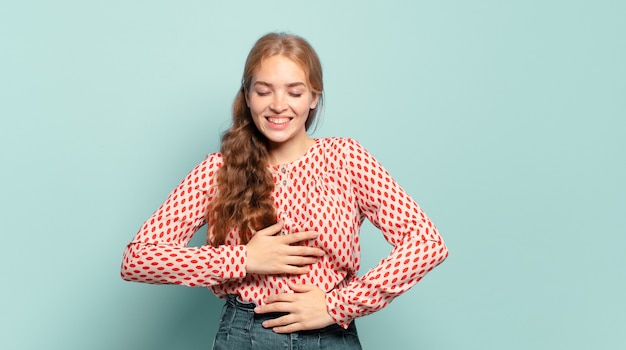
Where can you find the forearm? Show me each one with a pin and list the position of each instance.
(407, 264)
(418, 247)
(189, 266)
(159, 254)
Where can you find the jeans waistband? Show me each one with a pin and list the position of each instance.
(233, 300)
(241, 328)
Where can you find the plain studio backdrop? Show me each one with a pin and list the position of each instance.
(505, 120)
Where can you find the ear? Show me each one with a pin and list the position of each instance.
(316, 99)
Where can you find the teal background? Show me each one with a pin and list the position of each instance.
(505, 120)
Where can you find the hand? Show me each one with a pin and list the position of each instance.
(306, 309)
(269, 253)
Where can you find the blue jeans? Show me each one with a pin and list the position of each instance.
(240, 329)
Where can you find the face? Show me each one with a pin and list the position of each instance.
(279, 99)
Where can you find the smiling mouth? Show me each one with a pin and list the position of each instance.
(278, 121)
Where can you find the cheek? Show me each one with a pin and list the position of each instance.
(255, 106)
(303, 106)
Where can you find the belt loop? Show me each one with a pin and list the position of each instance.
(248, 308)
(250, 320)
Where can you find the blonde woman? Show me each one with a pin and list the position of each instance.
(283, 212)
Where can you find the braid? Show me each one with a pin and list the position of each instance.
(245, 184)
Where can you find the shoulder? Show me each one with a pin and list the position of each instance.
(203, 175)
(340, 144)
(214, 159)
(343, 148)
(342, 152)
(211, 161)
(208, 166)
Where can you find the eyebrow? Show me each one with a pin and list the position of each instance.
(288, 85)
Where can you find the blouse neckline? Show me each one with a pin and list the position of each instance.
(305, 155)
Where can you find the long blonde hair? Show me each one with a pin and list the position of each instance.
(245, 184)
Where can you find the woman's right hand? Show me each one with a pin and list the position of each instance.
(269, 252)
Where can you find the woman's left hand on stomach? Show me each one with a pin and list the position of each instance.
(306, 308)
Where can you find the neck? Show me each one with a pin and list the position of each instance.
(286, 153)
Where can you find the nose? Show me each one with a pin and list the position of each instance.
(278, 103)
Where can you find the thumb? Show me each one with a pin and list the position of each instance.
(299, 288)
(270, 230)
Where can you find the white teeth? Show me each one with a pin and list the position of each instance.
(278, 121)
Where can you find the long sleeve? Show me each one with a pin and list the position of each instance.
(417, 245)
(159, 254)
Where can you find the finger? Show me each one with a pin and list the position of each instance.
(271, 230)
(281, 321)
(275, 299)
(300, 237)
(290, 328)
(295, 270)
(273, 307)
(306, 251)
(299, 288)
(301, 261)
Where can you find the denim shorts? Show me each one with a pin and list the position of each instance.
(240, 329)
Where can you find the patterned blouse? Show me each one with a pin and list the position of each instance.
(331, 189)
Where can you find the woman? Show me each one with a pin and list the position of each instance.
(283, 213)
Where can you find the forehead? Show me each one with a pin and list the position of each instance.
(279, 69)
